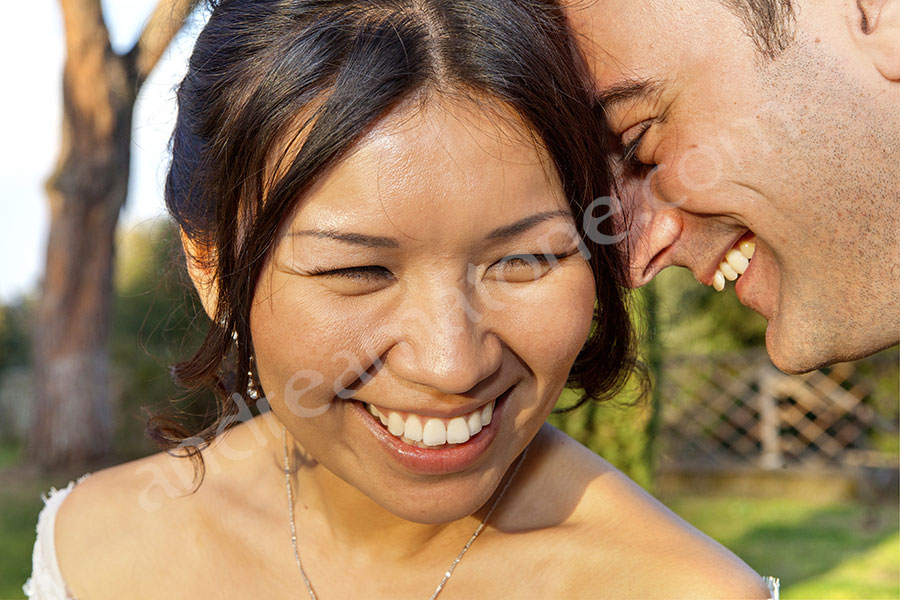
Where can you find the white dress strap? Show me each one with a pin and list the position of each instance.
(46, 581)
(774, 585)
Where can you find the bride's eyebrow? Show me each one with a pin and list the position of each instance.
(523, 225)
(378, 241)
(357, 239)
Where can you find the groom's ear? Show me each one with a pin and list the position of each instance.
(875, 28)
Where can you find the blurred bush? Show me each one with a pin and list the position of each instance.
(15, 375)
(696, 319)
(15, 333)
(157, 321)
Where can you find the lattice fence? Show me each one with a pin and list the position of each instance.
(740, 409)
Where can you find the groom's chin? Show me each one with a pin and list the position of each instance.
(791, 356)
(805, 346)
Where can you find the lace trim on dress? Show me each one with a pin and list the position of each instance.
(46, 581)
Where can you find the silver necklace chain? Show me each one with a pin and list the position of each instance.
(447, 574)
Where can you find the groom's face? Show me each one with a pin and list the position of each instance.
(721, 145)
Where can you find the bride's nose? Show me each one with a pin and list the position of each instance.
(444, 342)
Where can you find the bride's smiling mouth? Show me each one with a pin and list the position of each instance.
(425, 432)
(434, 445)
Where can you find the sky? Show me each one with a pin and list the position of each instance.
(32, 44)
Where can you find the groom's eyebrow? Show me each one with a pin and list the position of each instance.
(626, 91)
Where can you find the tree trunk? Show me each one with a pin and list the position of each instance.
(72, 417)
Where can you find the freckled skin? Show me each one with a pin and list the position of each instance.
(802, 150)
(437, 182)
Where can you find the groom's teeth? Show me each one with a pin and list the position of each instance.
(719, 281)
(729, 273)
(431, 431)
(738, 261)
(735, 264)
(747, 248)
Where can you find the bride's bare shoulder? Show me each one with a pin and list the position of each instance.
(119, 518)
(147, 516)
(624, 541)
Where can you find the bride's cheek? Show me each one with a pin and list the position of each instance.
(550, 323)
(571, 318)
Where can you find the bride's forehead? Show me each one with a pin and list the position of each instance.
(437, 161)
(456, 144)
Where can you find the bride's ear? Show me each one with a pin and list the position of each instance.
(875, 27)
(201, 269)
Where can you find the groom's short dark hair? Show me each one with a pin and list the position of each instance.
(769, 23)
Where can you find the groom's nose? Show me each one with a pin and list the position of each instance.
(652, 230)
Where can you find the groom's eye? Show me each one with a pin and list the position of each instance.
(631, 143)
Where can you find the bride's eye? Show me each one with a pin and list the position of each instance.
(368, 272)
(521, 268)
(355, 280)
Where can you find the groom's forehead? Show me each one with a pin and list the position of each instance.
(661, 40)
(618, 39)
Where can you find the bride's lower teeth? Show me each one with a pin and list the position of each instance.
(735, 264)
(428, 432)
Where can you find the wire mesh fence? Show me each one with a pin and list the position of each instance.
(738, 409)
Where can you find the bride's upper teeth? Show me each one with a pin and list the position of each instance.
(395, 424)
(735, 264)
(433, 431)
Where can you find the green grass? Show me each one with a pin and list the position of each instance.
(843, 551)
(9, 454)
(20, 503)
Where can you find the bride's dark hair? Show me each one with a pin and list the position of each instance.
(313, 76)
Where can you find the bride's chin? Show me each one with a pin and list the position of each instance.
(436, 503)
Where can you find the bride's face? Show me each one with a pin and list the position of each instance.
(433, 275)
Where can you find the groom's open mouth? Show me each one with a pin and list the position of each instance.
(735, 261)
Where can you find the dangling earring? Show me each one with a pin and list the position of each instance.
(252, 389)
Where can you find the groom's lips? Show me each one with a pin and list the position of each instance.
(757, 287)
(706, 277)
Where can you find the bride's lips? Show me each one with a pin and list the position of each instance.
(449, 458)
